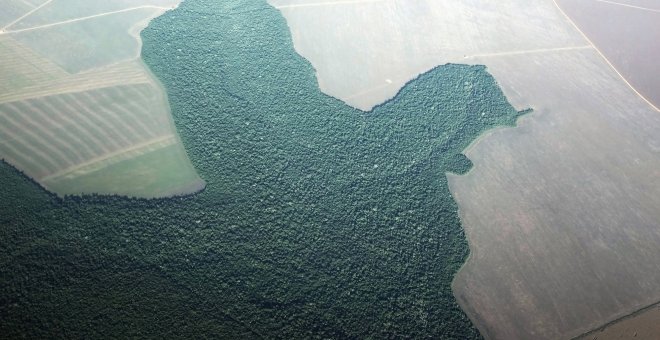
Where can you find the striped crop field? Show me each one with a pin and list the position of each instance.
(104, 127)
(114, 75)
(22, 68)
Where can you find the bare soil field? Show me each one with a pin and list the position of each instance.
(629, 37)
(642, 325)
(560, 212)
(76, 100)
(649, 4)
(364, 51)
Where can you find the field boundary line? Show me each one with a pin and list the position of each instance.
(603, 56)
(630, 6)
(329, 3)
(2, 30)
(618, 320)
(70, 21)
(541, 50)
(389, 82)
(28, 4)
(57, 89)
(168, 139)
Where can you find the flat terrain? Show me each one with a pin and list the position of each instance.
(321, 220)
(628, 36)
(364, 51)
(570, 242)
(75, 100)
(318, 221)
(642, 325)
(560, 212)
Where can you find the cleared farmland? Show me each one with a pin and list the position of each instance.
(76, 101)
(14, 9)
(365, 51)
(63, 10)
(561, 212)
(627, 35)
(91, 42)
(22, 68)
(642, 325)
(320, 221)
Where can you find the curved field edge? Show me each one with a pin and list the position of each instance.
(459, 278)
(79, 124)
(318, 221)
(158, 168)
(518, 204)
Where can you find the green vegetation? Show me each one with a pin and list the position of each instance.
(111, 140)
(163, 171)
(318, 220)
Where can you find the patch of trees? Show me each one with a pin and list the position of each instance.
(318, 220)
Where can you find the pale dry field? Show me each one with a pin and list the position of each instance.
(561, 212)
(629, 35)
(365, 51)
(79, 111)
(648, 4)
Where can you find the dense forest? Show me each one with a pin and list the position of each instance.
(318, 220)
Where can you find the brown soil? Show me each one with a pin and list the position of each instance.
(643, 325)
